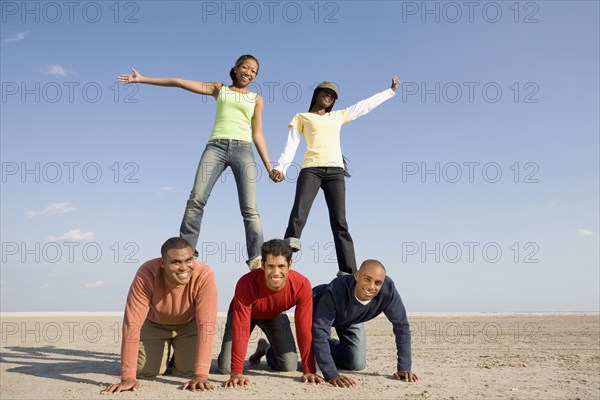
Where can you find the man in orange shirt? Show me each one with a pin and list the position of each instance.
(172, 302)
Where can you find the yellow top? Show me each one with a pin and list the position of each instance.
(322, 135)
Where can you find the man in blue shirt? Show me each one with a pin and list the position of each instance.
(345, 303)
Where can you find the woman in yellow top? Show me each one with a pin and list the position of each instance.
(238, 123)
(323, 166)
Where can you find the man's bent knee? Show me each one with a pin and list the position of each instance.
(288, 362)
(357, 365)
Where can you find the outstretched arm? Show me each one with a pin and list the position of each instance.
(207, 88)
(365, 106)
(257, 134)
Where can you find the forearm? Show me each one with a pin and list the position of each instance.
(206, 88)
(322, 353)
(170, 82)
(261, 147)
(403, 348)
(365, 106)
(129, 352)
(289, 150)
(204, 345)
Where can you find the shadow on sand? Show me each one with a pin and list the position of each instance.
(62, 364)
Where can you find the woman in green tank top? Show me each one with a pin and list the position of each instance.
(238, 123)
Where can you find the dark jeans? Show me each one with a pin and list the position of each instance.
(331, 180)
(281, 356)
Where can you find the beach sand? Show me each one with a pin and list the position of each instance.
(456, 356)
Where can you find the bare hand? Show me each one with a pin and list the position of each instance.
(395, 83)
(134, 77)
(199, 382)
(123, 386)
(276, 176)
(342, 381)
(236, 380)
(406, 376)
(312, 378)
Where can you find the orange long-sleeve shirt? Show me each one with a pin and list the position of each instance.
(150, 298)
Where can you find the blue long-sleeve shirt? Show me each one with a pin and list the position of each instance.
(335, 305)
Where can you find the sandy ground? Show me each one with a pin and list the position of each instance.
(456, 356)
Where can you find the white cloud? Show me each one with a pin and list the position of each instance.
(73, 235)
(94, 284)
(165, 189)
(56, 69)
(17, 38)
(52, 209)
(584, 232)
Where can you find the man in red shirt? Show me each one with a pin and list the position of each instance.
(172, 302)
(261, 298)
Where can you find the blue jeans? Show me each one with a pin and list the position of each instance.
(331, 180)
(218, 155)
(281, 356)
(350, 352)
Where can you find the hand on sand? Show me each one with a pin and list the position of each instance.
(123, 386)
(199, 382)
(342, 381)
(406, 376)
(236, 380)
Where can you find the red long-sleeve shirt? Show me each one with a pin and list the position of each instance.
(254, 300)
(150, 298)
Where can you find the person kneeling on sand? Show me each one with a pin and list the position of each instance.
(261, 298)
(172, 302)
(345, 303)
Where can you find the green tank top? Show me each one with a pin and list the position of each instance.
(233, 118)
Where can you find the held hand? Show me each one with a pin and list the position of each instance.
(312, 378)
(406, 376)
(276, 176)
(342, 381)
(199, 382)
(236, 380)
(395, 83)
(123, 386)
(134, 77)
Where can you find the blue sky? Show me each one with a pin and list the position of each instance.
(477, 185)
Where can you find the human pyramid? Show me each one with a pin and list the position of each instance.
(170, 318)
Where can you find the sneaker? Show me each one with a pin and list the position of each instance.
(294, 243)
(254, 263)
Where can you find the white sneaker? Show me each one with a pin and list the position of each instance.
(254, 263)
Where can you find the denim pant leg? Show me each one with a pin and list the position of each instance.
(350, 352)
(334, 189)
(224, 359)
(246, 172)
(212, 164)
(282, 355)
(307, 187)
